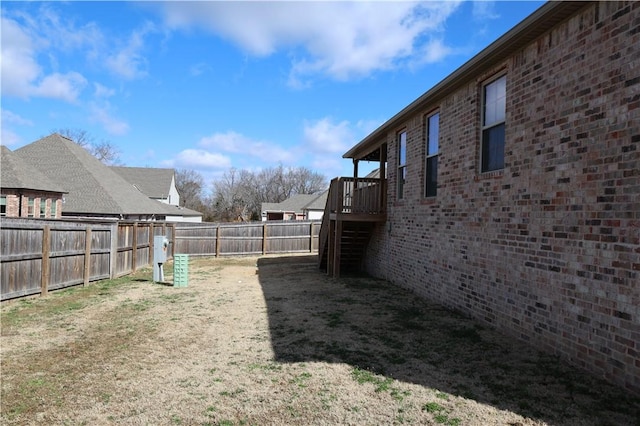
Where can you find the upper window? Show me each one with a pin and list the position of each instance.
(43, 207)
(402, 163)
(493, 124)
(54, 210)
(3, 205)
(432, 134)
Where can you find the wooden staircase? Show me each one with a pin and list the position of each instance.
(353, 245)
(354, 208)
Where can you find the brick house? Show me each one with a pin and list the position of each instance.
(94, 190)
(513, 190)
(25, 192)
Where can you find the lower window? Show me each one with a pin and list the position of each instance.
(493, 148)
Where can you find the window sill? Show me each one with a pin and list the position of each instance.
(429, 200)
(494, 174)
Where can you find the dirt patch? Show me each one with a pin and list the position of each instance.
(272, 340)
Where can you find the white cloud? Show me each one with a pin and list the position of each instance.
(9, 119)
(325, 140)
(66, 87)
(233, 142)
(229, 142)
(8, 137)
(23, 77)
(324, 136)
(102, 91)
(19, 68)
(13, 118)
(432, 52)
(112, 125)
(483, 10)
(200, 159)
(128, 62)
(340, 39)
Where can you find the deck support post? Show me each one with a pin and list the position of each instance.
(337, 239)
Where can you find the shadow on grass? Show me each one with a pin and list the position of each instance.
(375, 326)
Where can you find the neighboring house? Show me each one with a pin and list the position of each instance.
(513, 190)
(297, 207)
(157, 184)
(94, 190)
(180, 214)
(314, 210)
(24, 191)
(160, 185)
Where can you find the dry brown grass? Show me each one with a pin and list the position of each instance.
(274, 341)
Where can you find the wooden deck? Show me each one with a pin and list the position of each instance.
(354, 207)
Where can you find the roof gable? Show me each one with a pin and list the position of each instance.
(318, 203)
(153, 182)
(93, 188)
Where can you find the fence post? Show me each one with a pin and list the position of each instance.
(218, 241)
(173, 239)
(152, 231)
(114, 250)
(46, 261)
(87, 256)
(311, 237)
(134, 243)
(264, 238)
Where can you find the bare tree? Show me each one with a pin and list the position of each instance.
(189, 184)
(229, 197)
(305, 181)
(103, 150)
(240, 194)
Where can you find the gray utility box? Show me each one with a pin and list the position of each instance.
(160, 250)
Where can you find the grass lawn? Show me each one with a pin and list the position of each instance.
(274, 341)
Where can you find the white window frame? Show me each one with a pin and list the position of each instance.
(496, 117)
(428, 153)
(402, 163)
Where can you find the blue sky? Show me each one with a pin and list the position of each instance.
(213, 85)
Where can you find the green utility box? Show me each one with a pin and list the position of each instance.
(180, 270)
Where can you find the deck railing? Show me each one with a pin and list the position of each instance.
(357, 196)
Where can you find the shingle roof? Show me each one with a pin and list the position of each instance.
(319, 202)
(153, 182)
(171, 210)
(297, 203)
(93, 187)
(15, 173)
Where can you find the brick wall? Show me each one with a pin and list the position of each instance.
(13, 203)
(547, 249)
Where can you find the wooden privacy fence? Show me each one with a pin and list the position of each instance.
(41, 255)
(271, 237)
